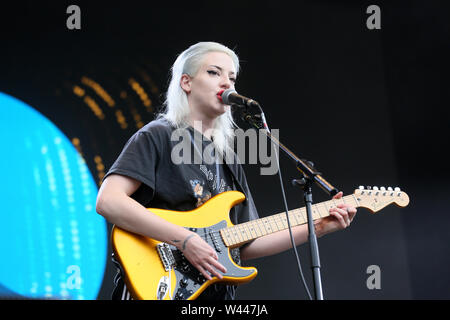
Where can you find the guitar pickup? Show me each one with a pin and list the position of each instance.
(214, 241)
(166, 256)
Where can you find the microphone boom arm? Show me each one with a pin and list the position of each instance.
(301, 165)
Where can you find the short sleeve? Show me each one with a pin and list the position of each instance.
(138, 159)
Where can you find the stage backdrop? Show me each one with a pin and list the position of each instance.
(365, 105)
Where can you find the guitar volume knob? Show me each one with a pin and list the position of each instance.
(179, 296)
(183, 282)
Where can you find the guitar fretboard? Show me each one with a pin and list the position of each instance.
(239, 234)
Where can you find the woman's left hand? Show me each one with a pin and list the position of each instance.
(340, 218)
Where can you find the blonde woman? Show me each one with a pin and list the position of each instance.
(145, 174)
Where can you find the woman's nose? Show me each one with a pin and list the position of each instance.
(225, 83)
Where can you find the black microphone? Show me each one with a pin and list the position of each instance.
(230, 96)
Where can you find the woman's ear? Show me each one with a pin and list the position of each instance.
(185, 83)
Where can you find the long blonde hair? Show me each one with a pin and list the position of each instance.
(176, 104)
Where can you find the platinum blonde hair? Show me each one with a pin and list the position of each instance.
(176, 104)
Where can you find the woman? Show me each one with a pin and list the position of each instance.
(145, 175)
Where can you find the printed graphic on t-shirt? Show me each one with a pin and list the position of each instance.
(199, 191)
(204, 190)
(217, 185)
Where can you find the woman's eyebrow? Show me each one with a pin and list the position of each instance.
(221, 69)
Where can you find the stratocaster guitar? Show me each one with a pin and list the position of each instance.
(158, 271)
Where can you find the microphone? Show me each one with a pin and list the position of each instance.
(230, 96)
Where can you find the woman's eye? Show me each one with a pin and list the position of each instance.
(212, 72)
(233, 80)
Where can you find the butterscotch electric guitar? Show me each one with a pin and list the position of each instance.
(156, 271)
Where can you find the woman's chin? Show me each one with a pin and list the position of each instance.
(220, 110)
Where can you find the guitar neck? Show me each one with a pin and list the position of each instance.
(239, 234)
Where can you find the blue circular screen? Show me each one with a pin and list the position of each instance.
(53, 244)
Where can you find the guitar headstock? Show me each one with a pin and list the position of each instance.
(376, 198)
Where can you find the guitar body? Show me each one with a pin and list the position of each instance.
(158, 271)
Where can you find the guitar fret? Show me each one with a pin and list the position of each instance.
(241, 233)
(267, 226)
(325, 213)
(285, 218)
(236, 234)
(314, 212)
(279, 219)
(252, 230)
(258, 224)
(249, 229)
(343, 200)
(233, 237)
(273, 224)
(325, 206)
(356, 201)
(261, 232)
(302, 215)
(223, 232)
(283, 221)
(294, 214)
(229, 237)
(245, 233)
(334, 203)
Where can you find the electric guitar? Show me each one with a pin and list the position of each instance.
(158, 271)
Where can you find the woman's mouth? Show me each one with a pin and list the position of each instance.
(219, 95)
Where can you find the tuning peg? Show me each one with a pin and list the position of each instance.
(369, 188)
(397, 189)
(361, 187)
(383, 189)
(391, 191)
(375, 188)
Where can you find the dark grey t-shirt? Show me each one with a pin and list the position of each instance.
(168, 184)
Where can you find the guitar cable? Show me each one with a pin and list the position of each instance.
(294, 247)
(245, 115)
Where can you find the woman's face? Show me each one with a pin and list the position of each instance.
(216, 73)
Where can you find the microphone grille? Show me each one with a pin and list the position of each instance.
(226, 95)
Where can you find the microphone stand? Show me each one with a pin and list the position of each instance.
(309, 175)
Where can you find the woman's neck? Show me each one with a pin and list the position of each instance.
(202, 124)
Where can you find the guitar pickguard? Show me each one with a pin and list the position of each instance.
(189, 279)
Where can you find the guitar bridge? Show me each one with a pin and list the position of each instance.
(166, 256)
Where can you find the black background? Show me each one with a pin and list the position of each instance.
(368, 107)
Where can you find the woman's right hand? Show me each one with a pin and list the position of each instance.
(202, 256)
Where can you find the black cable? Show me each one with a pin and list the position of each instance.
(294, 247)
(246, 116)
